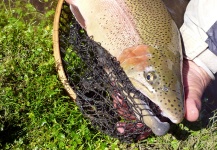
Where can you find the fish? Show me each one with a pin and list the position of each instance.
(146, 41)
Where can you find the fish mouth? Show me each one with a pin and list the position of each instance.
(158, 112)
(161, 115)
(160, 124)
(150, 113)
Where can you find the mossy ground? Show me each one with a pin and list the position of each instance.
(36, 112)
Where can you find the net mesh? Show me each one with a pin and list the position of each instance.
(106, 98)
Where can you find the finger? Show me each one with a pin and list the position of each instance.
(192, 109)
(195, 80)
(193, 102)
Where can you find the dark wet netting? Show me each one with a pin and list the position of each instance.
(85, 63)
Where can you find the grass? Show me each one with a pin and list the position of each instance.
(36, 112)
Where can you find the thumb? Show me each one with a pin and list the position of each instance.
(192, 104)
(195, 81)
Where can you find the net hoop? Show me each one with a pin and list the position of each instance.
(57, 56)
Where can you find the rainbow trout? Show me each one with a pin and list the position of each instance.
(143, 37)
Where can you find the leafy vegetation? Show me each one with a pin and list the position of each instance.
(36, 112)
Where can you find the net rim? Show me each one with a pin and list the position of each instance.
(56, 52)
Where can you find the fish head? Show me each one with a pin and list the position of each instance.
(157, 74)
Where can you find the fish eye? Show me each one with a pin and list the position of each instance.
(150, 76)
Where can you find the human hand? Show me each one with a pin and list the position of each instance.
(195, 80)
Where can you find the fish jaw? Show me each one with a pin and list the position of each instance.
(157, 126)
(158, 76)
